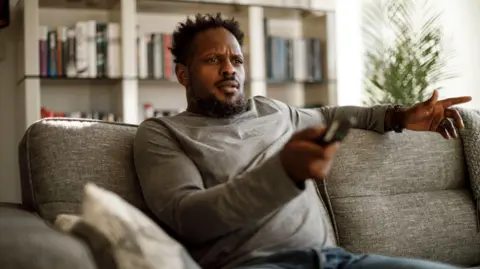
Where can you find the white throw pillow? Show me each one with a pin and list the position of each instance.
(65, 222)
(133, 240)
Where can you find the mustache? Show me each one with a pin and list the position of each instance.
(225, 79)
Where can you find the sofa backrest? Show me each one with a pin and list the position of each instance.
(404, 195)
(58, 156)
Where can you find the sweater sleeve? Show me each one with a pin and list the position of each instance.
(175, 192)
(368, 118)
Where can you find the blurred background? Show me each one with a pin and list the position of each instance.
(108, 59)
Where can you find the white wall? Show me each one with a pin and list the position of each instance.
(349, 52)
(461, 27)
(461, 22)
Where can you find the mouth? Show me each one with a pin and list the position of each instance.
(228, 86)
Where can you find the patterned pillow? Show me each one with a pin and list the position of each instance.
(121, 237)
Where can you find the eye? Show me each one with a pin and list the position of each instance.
(212, 60)
(238, 61)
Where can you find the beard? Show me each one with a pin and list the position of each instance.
(212, 107)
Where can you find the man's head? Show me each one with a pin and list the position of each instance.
(209, 63)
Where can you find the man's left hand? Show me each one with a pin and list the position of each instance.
(435, 116)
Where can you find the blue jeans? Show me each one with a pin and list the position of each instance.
(337, 258)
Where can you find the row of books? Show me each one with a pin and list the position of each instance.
(297, 59)
(155, 61)
(96, 115)
(91, 49)
(87, 49)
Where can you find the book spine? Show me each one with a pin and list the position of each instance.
(113, 52)
(167, 56)
(43, 50)
(300, 64)
(282, 59)
(270, 57)
(142, 57)
(71, 66)
(59, 52)
(275, 59)
(311, 59)
(81, 43)
(92, 49)
(174, 75)
(318, 74)
(157, 55)
(159, 52)
(101, 49)
(52, 53)
(64, 49)
(150, 56)
(290, 60)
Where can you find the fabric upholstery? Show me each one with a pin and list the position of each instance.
(471, 140)
(58, 156)
(404, 195)
(135, 240)
(26, 241)
(395, 194)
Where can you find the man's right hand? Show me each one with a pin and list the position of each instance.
(302, 158)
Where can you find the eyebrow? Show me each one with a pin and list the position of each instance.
(222, 54)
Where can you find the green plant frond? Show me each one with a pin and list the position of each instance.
(404, 69)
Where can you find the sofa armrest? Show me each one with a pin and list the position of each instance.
(27, 241)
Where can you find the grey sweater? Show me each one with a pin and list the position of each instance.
(219, 184)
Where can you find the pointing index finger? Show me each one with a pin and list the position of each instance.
(455, 101)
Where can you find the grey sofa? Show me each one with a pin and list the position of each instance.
(410, 198)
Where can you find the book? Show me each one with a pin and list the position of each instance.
(87, 49)
(293, 59)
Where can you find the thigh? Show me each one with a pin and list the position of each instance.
(379, 261)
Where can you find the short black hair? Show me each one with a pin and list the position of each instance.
(186, 31)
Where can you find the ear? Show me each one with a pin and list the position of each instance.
(181, 72)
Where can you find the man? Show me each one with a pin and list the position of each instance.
(233, 178)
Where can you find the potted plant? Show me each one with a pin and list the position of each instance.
(405, 55)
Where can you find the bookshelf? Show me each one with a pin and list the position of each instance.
(135, 80)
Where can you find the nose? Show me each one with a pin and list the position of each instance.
(227, 69)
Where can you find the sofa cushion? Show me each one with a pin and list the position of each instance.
(120, 236)
(58, 156)
(405, 195)
(27, 241)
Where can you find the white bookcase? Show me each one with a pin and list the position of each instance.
(126, 94)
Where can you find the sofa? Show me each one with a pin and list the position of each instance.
(405, 195)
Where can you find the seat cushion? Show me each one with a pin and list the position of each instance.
(404, 195)
(58, 156)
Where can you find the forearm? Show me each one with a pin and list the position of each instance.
(375, 118)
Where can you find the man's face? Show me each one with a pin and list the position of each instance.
(215, 75)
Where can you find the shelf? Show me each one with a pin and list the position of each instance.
(62, 80)
(298, 5)
(189, 7)
(79, 4)
(161, 80)
(305, 82)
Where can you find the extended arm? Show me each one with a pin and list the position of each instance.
(375, 118)
(174, 189)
